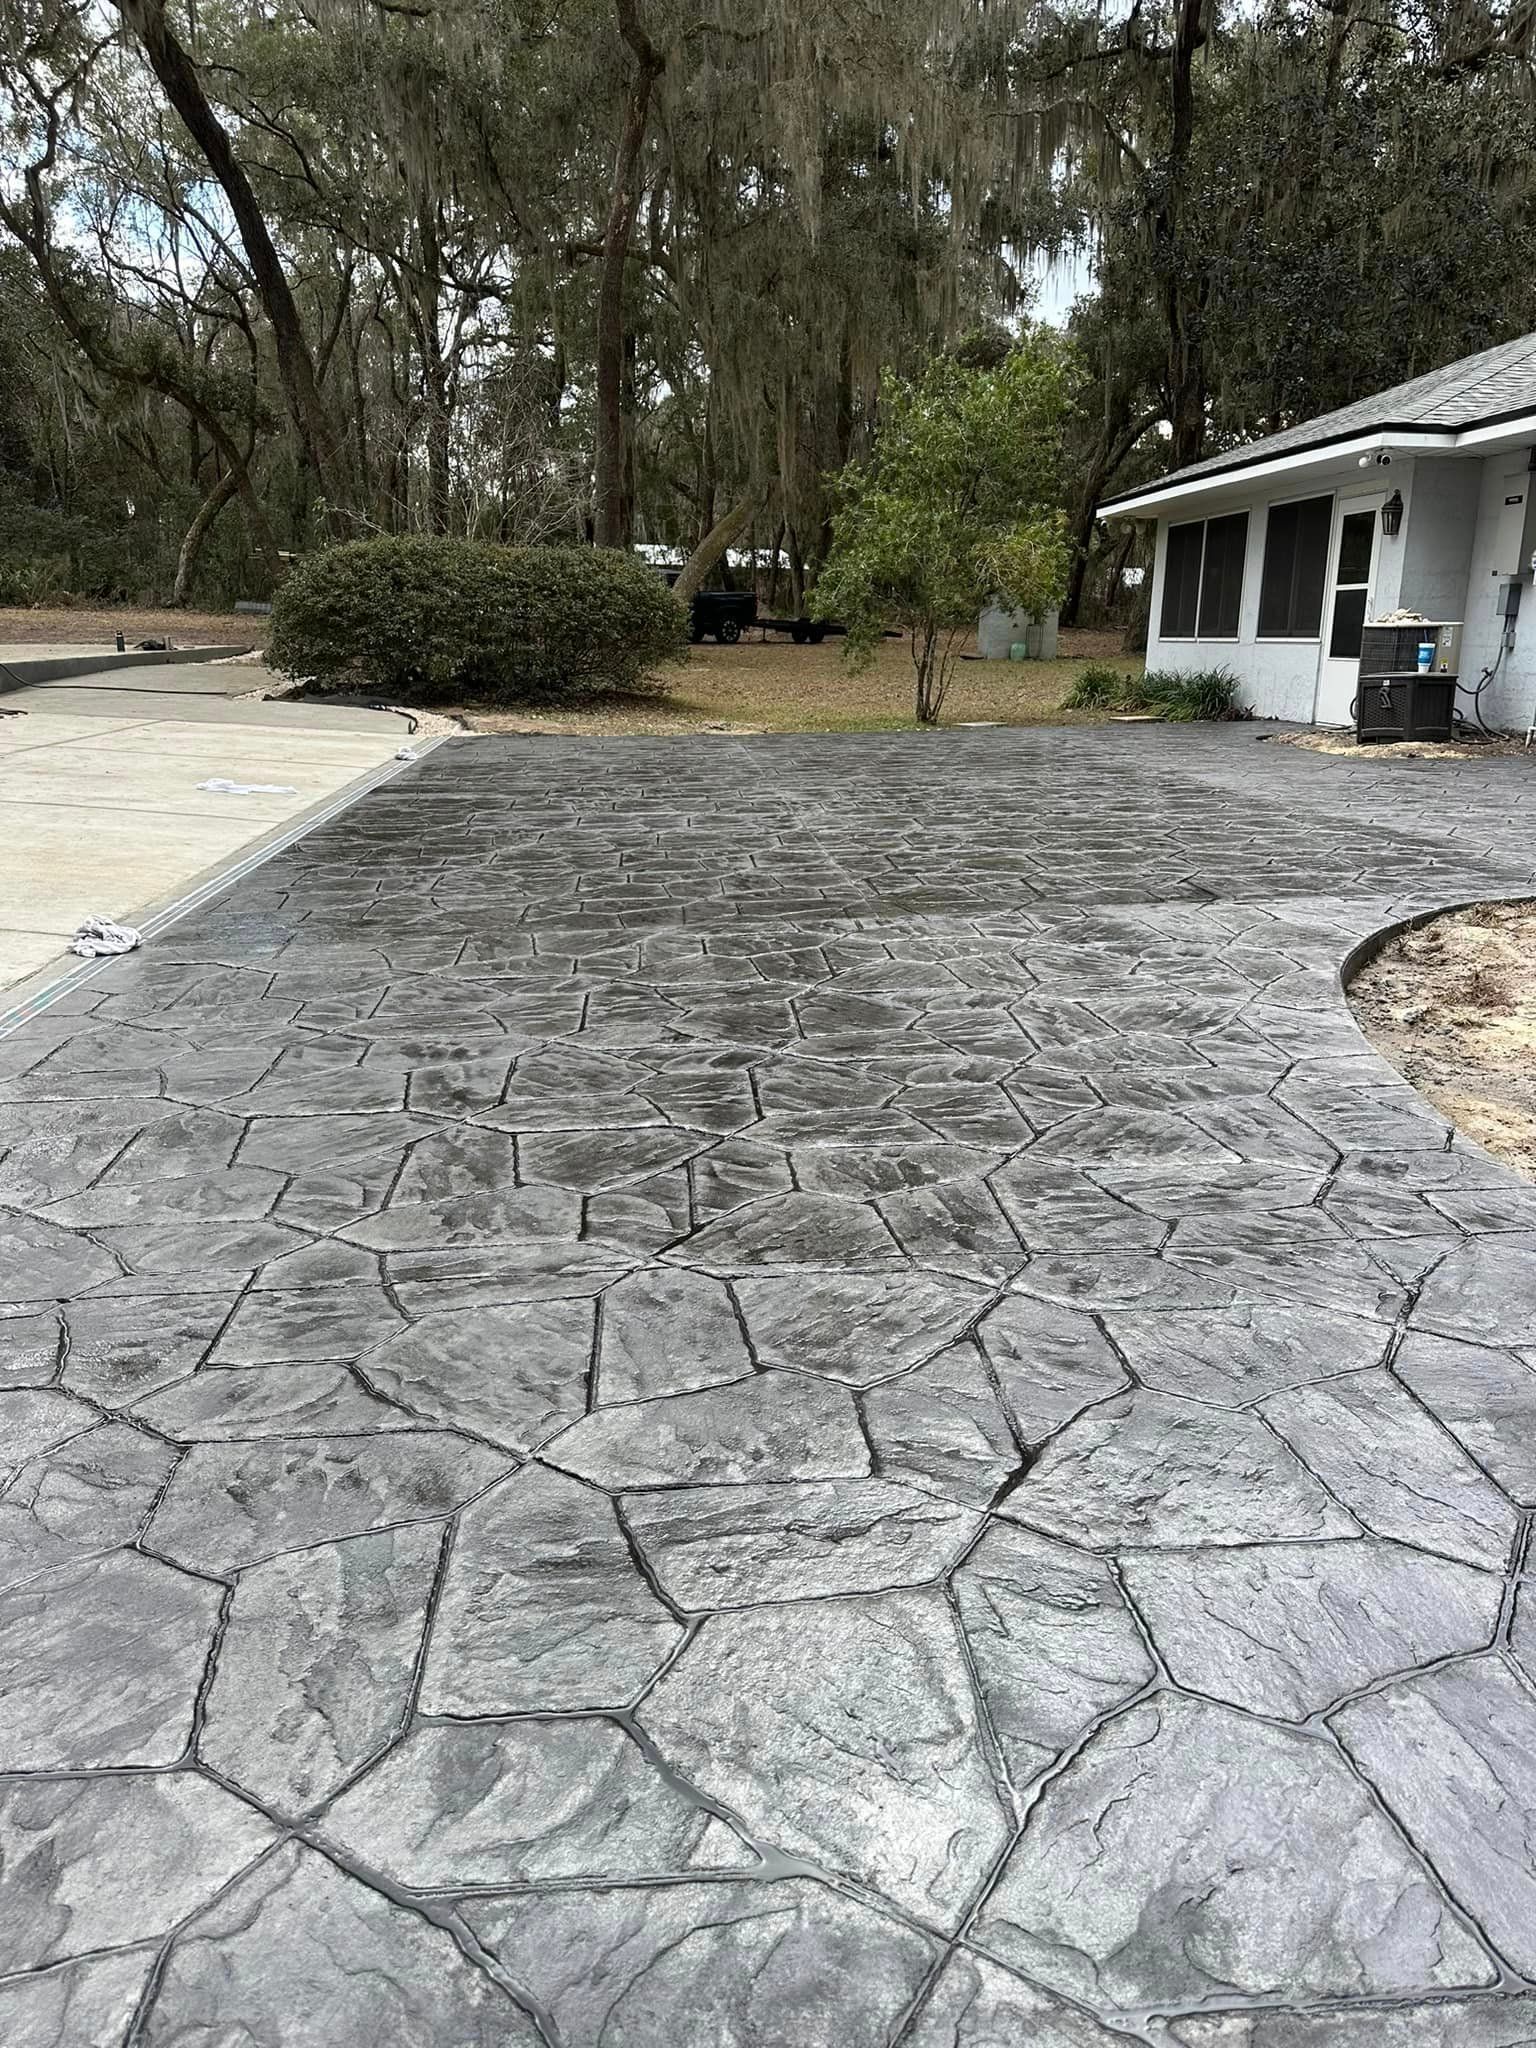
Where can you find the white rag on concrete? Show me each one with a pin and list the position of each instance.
(101, 935)
(222, 787)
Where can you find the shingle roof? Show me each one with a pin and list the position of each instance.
(1495, 384)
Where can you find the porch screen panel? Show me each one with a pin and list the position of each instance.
(1181, 581)
(1295, 570)
(1221, 580)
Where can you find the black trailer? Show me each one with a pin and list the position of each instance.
(724, 613)
(804, 632)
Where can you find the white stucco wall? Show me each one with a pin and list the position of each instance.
(1440, 564)
(1511, 698)
(1426, 569)
(1279, 677)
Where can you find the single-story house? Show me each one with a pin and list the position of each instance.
(1272, 557)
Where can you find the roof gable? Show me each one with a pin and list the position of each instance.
(1495, 384)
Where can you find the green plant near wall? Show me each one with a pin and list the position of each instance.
(958, 508)
(1097, 689)
(1177, 695)
(426, 619)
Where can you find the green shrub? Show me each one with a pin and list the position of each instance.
(1179, 695)
(424, 619)
(34, 582)
(1099, 685)
(1185, 694)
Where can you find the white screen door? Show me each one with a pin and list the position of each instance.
(1352, 578)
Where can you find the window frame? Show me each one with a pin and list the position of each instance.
(1180, 526)
(1224, 639)
(1197, 637)
(1324, 613)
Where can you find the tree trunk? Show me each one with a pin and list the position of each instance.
(925, 647)
(1119, 562)
(706, 482)
(439, 492)
(359, 425)
(712, 547)
(1114, 446)
(1180, 294)
(627, 410)
(796, 575)
(623, 208)
(1082, 535)
(182, 86)
(434, 374)
(773, 571)
(262, 537)
(224, 490)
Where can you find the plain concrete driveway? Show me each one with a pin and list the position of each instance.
(99, 794)
(789, 1394)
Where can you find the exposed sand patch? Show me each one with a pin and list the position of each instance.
(1326, 740)
(1453, 1006)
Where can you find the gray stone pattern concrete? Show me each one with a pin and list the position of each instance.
(792, 1394)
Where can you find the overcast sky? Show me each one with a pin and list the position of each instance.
(1060, 283)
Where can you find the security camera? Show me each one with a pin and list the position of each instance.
(1380, 460)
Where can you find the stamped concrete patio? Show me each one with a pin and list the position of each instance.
(788, 1394)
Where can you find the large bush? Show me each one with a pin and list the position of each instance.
(423, 619)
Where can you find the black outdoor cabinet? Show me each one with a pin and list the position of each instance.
(1405, 706)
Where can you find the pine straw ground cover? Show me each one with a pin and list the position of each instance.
(1453, 1007)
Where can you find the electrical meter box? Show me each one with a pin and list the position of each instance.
(1515, 534)
(1447, 661)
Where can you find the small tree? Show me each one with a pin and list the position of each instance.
(958, 508)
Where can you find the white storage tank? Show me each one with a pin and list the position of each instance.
(998, 632)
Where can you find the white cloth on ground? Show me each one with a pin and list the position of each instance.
(221, 786)
(98, 935)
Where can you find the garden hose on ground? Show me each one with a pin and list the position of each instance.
(412, 721)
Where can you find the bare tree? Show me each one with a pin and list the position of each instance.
(183, 87)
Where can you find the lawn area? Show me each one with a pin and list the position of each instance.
(34, 625)
(757, 686)
(774, 686)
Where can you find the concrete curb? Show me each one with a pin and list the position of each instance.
(1361, 955)
(58, 668)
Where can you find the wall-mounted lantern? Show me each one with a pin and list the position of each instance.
(1392, 514)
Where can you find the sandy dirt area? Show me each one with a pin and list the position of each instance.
(1453, 1006)
(1330, 741)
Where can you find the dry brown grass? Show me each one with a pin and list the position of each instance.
(774, 686)
(757, 686)
(33, 624)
